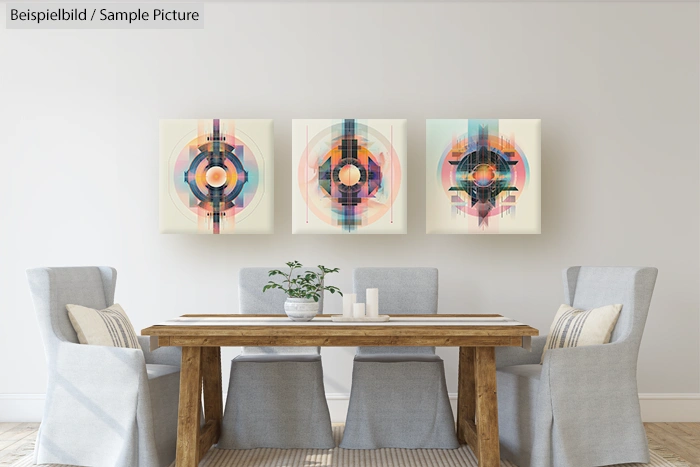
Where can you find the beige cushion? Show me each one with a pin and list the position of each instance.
(110, 327)
(573, 327)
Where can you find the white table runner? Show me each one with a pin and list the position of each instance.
(325, 320)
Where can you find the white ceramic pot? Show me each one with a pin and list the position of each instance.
(300, 309)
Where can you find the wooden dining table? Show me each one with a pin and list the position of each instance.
(202, 336)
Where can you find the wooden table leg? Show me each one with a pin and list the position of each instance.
(466, 398)
(489, 454)
(213, 402)
(190, 408)
(477, 405)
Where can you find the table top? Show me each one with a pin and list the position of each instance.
(240, 329)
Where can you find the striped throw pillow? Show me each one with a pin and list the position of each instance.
(110, 327)
(573, 327)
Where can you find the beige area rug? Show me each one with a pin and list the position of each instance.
(462, 457)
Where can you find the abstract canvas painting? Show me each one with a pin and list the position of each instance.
(483, 176)
(349, 176)
(216, 176)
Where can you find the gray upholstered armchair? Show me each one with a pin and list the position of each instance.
(105, 406)
(581, 406)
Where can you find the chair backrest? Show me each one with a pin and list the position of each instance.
(54, 288)
(590, 287)
(401, 290)
(252, 300)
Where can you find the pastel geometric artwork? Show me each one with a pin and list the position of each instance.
(483, 176)
(216, 176)
(349, 176)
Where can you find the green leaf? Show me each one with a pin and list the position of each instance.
(302, 284)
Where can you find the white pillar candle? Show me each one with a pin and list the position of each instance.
(372, 303)
(348, 301)
(358, 310)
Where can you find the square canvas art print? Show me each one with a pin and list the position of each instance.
(483, 176)
(216, 176)
(349, 176)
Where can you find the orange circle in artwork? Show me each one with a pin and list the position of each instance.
(349, 175)
(216, 176)
(484, 175)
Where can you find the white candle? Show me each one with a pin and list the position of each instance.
(358, 310)
(348, 301)
(372, 303)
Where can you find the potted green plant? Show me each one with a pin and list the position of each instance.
(303, 289)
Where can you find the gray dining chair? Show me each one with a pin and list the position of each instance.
(399, 397)
(581, 405)
(276, 397)
(105, 406)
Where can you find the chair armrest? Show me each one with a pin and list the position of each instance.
(601, 376)
(76, 359)
(162, 355)
(93, 373)
(613, 361)
(509, 356)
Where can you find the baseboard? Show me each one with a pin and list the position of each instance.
(338, 406)
(21, 407)
(672, 407)
(656, 407)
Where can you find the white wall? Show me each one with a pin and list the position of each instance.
(615, 84)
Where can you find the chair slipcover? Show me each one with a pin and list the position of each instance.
(399, 395)
(105, 406)
(276, 397)
(581, 406)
